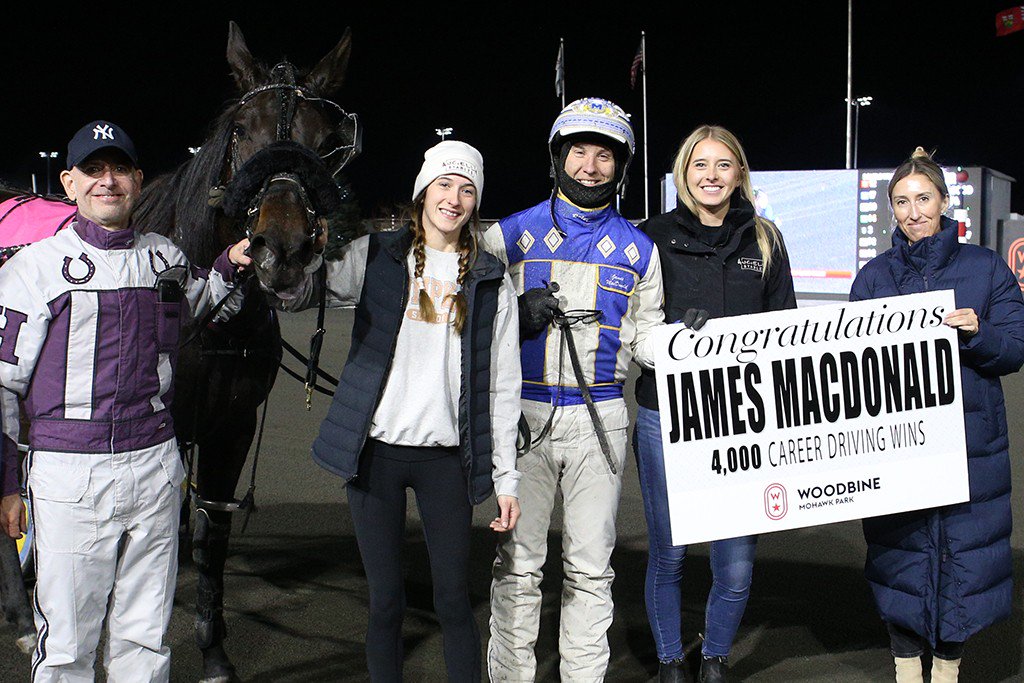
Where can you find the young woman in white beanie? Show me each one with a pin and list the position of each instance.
(428, 400)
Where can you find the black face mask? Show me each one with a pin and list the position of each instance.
(585, 196)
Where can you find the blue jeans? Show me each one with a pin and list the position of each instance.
(732, 560)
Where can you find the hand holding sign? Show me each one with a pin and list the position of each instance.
(808, 416)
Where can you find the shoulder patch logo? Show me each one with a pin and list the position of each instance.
(553, 239)
(525, 241)
(152, 263)
(747, 263)
(632, 253)
(89, 265)
(606, 246)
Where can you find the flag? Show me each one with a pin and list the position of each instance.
(560, 70)
(1010, 20)
(638, 64)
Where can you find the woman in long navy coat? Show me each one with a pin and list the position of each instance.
(943, 574)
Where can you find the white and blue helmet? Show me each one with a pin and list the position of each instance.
(592, 116)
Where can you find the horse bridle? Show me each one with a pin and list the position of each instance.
(288, 95)
(314, 227)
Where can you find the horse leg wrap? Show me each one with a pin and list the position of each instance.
(209, 553)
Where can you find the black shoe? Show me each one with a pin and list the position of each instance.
(712, 670)
(676, 671)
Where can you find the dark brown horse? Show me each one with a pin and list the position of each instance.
(267, 171)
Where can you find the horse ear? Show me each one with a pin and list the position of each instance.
(243, 67)
(327, 76)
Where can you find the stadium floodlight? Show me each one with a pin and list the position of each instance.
(857, 104)
(48, 156)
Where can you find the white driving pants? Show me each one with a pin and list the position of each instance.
(569, 457)
(106, 535)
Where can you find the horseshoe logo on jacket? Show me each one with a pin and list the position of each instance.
(152, 263)
(78, 280)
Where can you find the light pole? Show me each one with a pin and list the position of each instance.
(857, 104)
(48, 156)
(443, 132)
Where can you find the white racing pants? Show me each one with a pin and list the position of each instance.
(569, 457)
(106, 535)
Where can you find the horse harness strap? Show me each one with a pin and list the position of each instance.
(296, 376)
(564, 321)
(315, 229)
(248, 501)
(285, 73)
(208, 318)
(317, 340)
(289, 93)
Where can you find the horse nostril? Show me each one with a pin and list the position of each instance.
(257, 242)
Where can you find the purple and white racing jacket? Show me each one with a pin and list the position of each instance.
(89, 341)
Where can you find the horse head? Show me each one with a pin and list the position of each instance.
(287, 143)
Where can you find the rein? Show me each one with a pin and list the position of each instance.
(564, 320)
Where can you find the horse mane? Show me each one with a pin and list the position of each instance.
(176, 204)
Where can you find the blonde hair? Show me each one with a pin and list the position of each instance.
(467, 255)
(920, 162)
(768, 238)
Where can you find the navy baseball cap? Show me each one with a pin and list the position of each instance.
(98, 135)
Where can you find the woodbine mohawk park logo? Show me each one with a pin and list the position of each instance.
(776, 503)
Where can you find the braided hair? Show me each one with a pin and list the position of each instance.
(467, 255)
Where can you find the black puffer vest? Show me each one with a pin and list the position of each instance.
(378, 318)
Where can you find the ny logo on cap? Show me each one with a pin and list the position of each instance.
(102, 132)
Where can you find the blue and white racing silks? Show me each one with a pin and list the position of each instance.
(603, 262)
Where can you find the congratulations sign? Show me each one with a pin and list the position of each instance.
(802, 417)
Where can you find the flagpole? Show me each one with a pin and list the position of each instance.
(849, 83)
(561, 59)
(643, 65)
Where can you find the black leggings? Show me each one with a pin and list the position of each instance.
(907, 643)
(377, 501)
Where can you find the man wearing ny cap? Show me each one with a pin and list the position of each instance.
(88, 341)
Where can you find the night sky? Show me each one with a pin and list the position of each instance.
(775, 73)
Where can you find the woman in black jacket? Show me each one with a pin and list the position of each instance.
(719, 256)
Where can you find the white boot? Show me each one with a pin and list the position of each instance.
(945, 670)
(908, 670)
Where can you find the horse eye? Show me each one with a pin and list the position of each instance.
(240, 131)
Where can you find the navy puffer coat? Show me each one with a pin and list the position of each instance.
(946, 573)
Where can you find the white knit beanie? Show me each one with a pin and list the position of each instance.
(455, 157)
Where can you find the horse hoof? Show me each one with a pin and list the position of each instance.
(26, 643)
(217, 668)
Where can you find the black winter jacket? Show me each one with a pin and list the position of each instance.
(725, 279)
